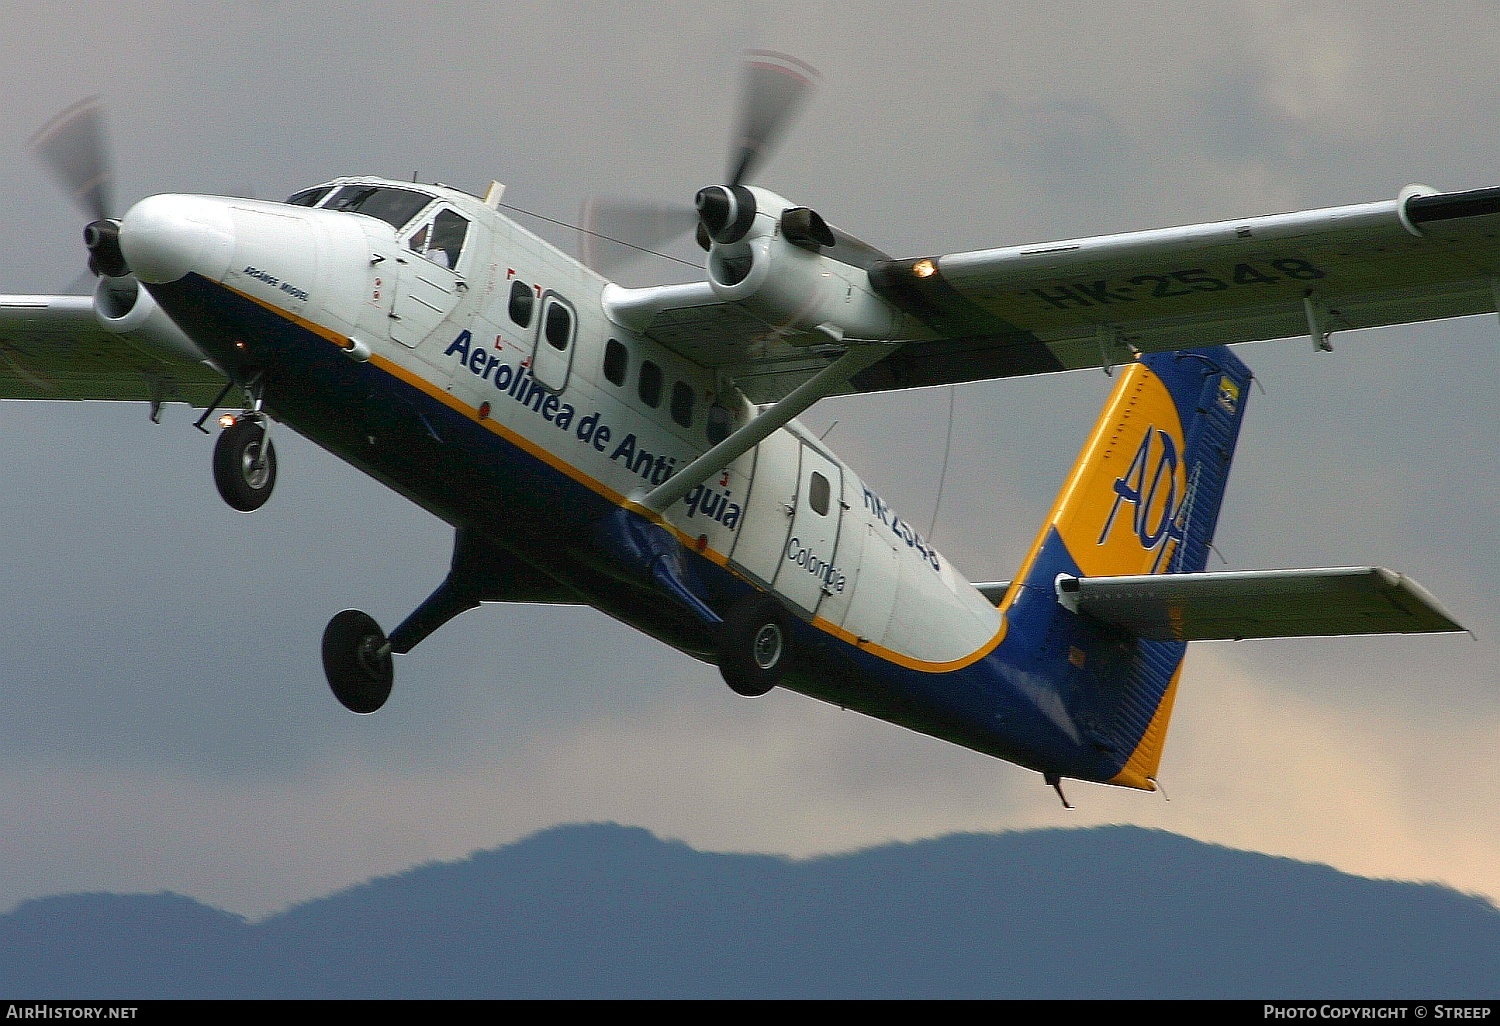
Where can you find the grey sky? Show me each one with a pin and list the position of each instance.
(163, 719)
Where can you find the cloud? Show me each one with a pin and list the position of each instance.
(165, 724)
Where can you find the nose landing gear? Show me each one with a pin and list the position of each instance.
(245, 464)
(244, 458)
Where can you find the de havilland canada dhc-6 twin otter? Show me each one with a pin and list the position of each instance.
(636, 449)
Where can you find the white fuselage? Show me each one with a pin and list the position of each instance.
(516, 336)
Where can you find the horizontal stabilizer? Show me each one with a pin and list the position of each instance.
(1259, 604)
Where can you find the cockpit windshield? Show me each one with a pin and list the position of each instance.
(394, 206)
(309, 197)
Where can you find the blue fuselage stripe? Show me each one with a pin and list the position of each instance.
(470, 476)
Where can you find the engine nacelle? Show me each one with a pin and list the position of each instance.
(123, 307)
(775, 269)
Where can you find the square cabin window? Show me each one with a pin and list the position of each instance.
(649, 385)
(559, 327)
(682, 403)
(818, 494)
(521, 301)
(616, 361)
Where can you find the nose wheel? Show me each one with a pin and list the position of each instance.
(357, 661)
(245, 465)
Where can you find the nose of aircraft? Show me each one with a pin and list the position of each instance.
(163, 238)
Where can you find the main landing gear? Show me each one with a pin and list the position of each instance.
(754, 646)
(357, 661)
(357, 655)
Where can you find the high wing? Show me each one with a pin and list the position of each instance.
(1087, 302)
(1098, 301)
(54, 347)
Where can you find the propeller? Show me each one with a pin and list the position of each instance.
(774, 89)
(74, 148)
(776, 86)
(637, 226)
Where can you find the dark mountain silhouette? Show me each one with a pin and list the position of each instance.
(611, 911)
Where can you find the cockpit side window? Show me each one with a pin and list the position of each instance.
(441, 240)
(395, 207)
(310, 197)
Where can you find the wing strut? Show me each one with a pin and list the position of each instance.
(822, 384)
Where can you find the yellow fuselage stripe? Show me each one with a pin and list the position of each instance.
(344, 343)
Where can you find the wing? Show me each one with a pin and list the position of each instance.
(54, 347)
(1092, 302)
(1099, 301)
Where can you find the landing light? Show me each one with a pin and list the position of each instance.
(227, 421)
(924, 268)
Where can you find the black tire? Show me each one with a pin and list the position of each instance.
(243, 480)
(755, 647)
(361, 679)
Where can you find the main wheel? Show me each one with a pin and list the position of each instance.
(360, 676)
(754, 647)
(244, 478)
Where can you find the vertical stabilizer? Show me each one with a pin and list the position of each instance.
(1143, 498)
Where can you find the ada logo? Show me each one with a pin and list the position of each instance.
(1150, 488)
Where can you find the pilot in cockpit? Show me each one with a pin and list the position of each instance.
(442, 239)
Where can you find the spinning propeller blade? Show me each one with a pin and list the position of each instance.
(775, 88)
(776, 85)
(613, 231)
(73, 147)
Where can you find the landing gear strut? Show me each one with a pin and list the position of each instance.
(754, 647)
(357, 654)
(357, 661)
(244, 458)
(245, 464)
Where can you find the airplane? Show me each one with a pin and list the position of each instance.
(638, 450)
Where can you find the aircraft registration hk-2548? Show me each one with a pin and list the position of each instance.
(636, 449)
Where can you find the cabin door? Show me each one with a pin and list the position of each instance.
(806, 570)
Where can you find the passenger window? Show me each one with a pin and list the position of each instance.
(818, 494)
(682, 403)
(559, 326)
(719, 423)
(521, 301)
(616, 361)
(649, 385)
